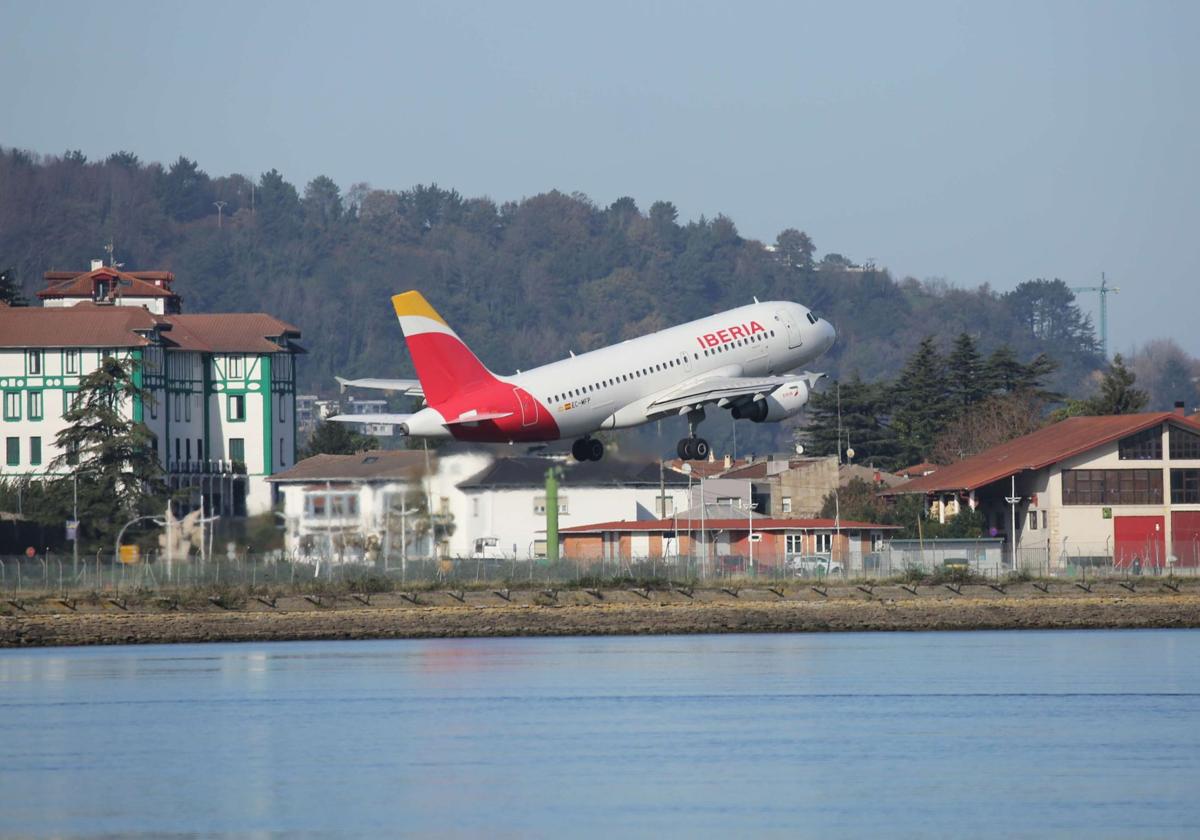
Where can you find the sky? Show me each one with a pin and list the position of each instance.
(969, 142)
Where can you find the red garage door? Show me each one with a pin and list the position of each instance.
(1139, 538)
(1185, 537)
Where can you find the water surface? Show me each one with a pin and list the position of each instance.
(909, 734)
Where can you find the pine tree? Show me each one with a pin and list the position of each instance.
(113, 457)
(921, 402)
(10, 289)
(964, 373)
(863, 408)
(1117, 392)
(337, 439)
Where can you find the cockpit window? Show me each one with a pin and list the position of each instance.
(812, 319)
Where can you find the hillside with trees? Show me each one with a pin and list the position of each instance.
(523, 281)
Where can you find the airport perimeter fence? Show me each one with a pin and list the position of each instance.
(59, 574)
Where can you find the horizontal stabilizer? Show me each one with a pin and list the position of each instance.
(363, 419)
(411, 387)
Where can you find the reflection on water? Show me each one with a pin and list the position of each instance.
(993, 734)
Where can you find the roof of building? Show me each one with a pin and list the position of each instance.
(610, 472)
(373, 465)
(708, 469)
(85, 325)
(228, 332)
(918, 470)
(129, 284)
(738, 524)
(871, 475)
(1036, 450)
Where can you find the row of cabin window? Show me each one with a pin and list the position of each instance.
(638, 374)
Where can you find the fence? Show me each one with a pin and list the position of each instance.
(59, 574)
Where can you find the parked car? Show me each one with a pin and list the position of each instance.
(813, 565)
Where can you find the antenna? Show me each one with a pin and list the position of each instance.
(1105, 290)
(109, 248)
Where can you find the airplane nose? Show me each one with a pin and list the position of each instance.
(829, 334)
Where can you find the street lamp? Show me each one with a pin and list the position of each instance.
(121, 533)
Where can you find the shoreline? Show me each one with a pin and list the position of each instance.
(104, 620)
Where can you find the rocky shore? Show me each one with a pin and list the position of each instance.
(110, 619)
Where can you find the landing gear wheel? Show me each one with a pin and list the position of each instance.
(681, 449)
(699, 448)
(595, 449)
(580, 449)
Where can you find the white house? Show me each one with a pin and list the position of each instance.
(220, 388)
(352, 506)
(1121, 490)
(507, 500)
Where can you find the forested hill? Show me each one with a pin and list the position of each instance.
(523, 282)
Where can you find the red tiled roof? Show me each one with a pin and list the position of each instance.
(75, 326)
(918, 470)
(700, 468)
(1036, 450)
(139, 284)
(230, 332)
(739, 524)
(88, 325)
(758, 470)
(374, 464)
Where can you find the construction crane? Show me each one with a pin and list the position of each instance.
(1105, 290)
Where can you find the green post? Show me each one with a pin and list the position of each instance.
(552, 515)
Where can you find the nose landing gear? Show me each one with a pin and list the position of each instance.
(692, 448)
(587, 449)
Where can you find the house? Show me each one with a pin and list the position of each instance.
(220, 389)
(149, 290)
(355, 507)
(1121, 490)
(730, 540)
(918, 470)
(506, 501)
(792, 486)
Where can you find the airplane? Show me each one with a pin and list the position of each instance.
(736, 360)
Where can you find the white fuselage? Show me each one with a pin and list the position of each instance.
(613, 387)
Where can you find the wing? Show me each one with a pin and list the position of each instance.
(411, 387)
(725, 391)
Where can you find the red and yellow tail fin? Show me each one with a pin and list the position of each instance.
(445, 365)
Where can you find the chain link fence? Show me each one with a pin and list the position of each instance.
(984, 560)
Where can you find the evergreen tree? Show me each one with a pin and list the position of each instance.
(1117, 392)
(10, 289)
(921, 403)
(114, 458)
(964, 373)
(863, 407)
(1003, 372)
(1175, 382)
(337, 439)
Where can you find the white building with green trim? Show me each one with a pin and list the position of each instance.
(221, 391)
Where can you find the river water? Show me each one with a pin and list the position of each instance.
(989, 734)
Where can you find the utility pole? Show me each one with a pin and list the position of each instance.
(551, 516)
(220, 205)
(1105, 290)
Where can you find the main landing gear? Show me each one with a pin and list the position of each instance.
(588, 449)
(693, 448)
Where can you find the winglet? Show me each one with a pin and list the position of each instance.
(413, 303)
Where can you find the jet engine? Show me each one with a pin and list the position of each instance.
(780, 404)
